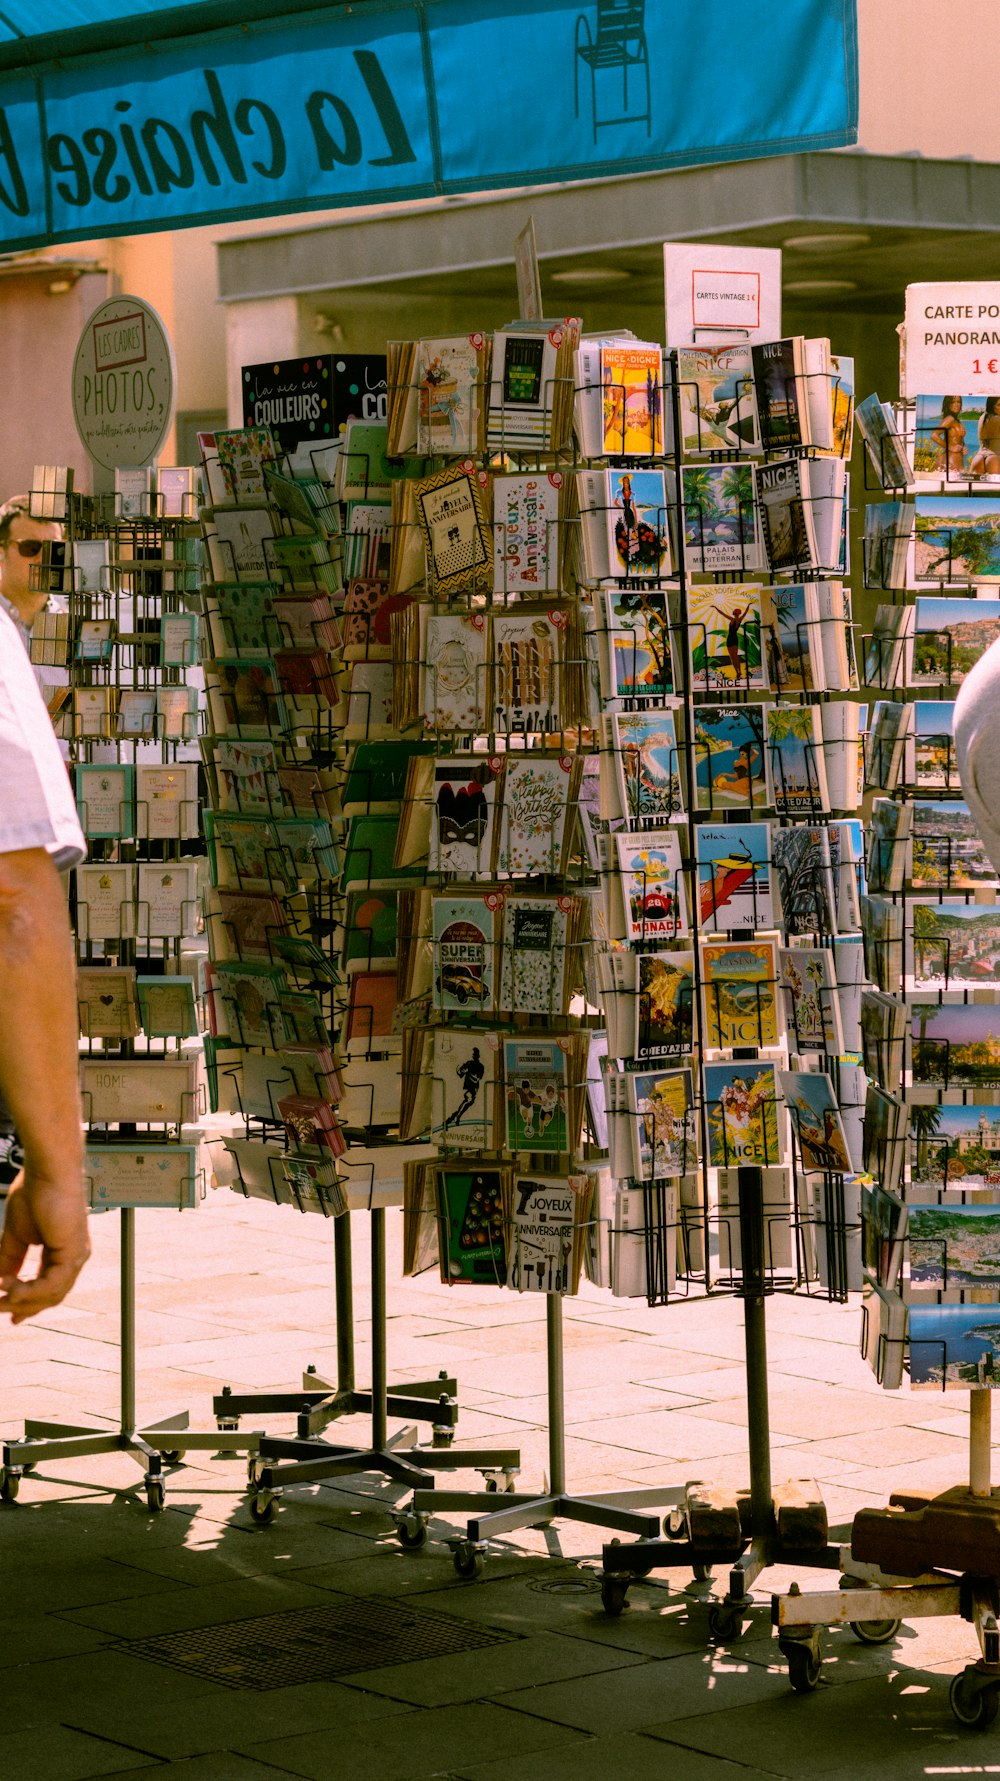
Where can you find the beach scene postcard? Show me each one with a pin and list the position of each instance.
(956, 538)
(957, 1044)
(957, 437)
(729, 760)
(954, 1345)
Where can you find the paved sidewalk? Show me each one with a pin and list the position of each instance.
(550, 1689)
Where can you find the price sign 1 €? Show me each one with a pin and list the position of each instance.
(123, 383)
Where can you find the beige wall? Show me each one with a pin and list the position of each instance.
(926, 69)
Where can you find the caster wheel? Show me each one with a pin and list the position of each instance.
(28, 1466)
(10, 1484)
(156, 1496)
(411, 1534)
(675, 1525)
(875, 1632)
(252, 1470)
(442, 1437)
(510, 1485)
(468, 1562)
(724, 1624)
(973, 1703)
(171, 1456)
(804, 1665)
(702, 1573)
(614, 1595)
(227, 1425)
(492, 1486)
(263, 1510)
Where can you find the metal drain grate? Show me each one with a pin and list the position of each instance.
(313, 1644)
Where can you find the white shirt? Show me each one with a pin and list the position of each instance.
(977, 747)
(37, 807)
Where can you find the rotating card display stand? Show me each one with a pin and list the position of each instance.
(732, 665)
(119, 639)
(278, 765)
(930, 1025)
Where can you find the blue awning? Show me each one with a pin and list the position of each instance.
(176, 114)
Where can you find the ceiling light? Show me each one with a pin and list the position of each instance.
(826, 244)
(818, 287)
(590, 275)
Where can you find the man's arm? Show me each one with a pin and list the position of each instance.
(39, 1065)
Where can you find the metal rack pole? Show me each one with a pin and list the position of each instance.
(127, 1264)
(344, 1284)
(557, 1406)
(380, 1379)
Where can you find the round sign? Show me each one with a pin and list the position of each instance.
(123, 383)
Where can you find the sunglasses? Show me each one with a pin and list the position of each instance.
(28, 547)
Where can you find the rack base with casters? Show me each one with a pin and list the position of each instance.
(303, 1458)
(711, 1528)
(151, 1446)
(914, 1561)
(625, 1510)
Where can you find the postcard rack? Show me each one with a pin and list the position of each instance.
(298, 829)
(767, 899)
(930, 1022)
(114, 650)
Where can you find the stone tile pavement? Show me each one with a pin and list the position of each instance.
(242, 1293)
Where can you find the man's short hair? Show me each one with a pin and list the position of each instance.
(17, 507)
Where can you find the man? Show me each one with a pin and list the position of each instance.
(22, 540)
(40, 836)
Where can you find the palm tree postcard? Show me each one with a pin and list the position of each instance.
(639, 654)
(950, 635)
(724, 625)
(647, 764)
(742, 1107)
(792, 646)
(719, 527)
(796, 759)
(954, 1144)
(956, 1044)
(954, 1345)
(816, 1122)
(729, 759)
(956, 539)
(952, 945)
(809, 992)
(717, 403)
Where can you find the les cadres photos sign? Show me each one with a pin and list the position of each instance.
(123, 383)
(389, 99)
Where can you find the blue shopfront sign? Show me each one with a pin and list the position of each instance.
(393, 99)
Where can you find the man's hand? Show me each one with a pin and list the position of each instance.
(52, 1215)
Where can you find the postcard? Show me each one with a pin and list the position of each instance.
(742, 1105)
(720, 531)
(956, 1044)
(954, 1345)
(739, 988)
(952, 945)
(949, 636)
(734, 876)
(729, 759)
(954, 1144)
(638, 644)
(816, 1121)
(956, 539)
(726, 643)
(638, 534)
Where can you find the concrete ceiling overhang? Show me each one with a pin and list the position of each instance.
(904, 212)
